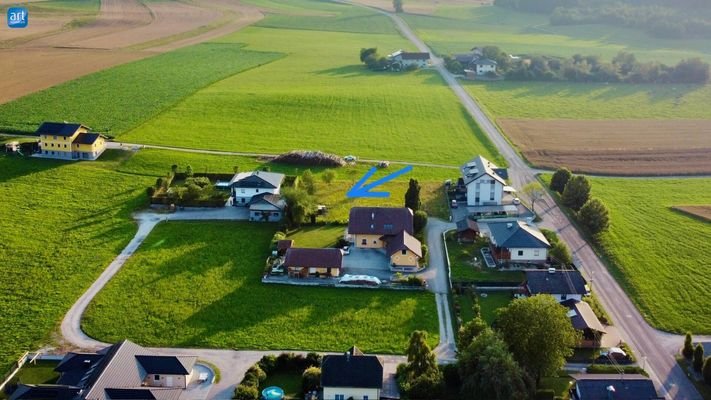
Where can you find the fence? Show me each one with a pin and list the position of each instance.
(18, 364)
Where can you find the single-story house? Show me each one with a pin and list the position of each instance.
(402, 59)
(515, 241)
(613, 387)
(351, 375)
(302, 262)
(389, 228)
(246, 185)
(124, 370)
(467, 230)
(586, 322)
(266, 207)
(561, 284)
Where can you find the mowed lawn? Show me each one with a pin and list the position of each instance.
(198, 284)
(61, 224)
(458, 28)
(321, 97)
(661, 256)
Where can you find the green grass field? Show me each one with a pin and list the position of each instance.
(122, 97)
(659, 256)
(554, 100)
(317, 235)
(205, 279)
(61, 224)
(455, 29)
(492, 302)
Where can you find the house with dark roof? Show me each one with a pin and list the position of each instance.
(586, 322)
(246, 185)
(351, 375)
(303, 262)
(266, 207)
(515, 241)
(124, 370)
(561, 284)
(68, 141)
(402, 59)
(389, 228)
(613, 387)
(284, 245)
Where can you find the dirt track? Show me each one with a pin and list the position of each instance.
(48, 55)
(627, 147)
(703, 212)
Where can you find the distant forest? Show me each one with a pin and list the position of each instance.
(673, 19)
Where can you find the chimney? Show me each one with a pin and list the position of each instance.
(348, 356)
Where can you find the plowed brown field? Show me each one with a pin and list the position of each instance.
(703, 212)
(615, 147)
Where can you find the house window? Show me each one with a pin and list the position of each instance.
(536, 252)
(520, 252)
(256, 190)
(375, 242)
(340, 397)
(241, 190)
(55, 138)
(476, 200)
(45, 152)
(156, 377)
(52, 144)
(365, 397)
(364, 242)
(404, 252)
(564, 297)
(388, 227)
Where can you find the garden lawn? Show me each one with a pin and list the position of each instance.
(492, 302)
(564, 100)
(39, 372)
(321, 97)
(461, 259)
(456, 29)
(198, 285)
(660, 256)
(61, 224)
(119, 98)
(317, 235)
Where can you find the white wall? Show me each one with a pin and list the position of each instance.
(248, 193)
(560, 298)
(529, 254)
(484, 191)
(329, 393)
(482, 69)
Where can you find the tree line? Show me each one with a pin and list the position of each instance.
(660, 18)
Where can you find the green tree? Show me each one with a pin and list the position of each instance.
(688, 350)
(246, 392)
(328, 176)
(560, 179)
(706, 370)
(310, 379)
(397, 5)
(366, 53)
(307, 180)
(420, 357)
(412, 196)
(470, 330)
(576, 192)
(235, 169)
(420, 377)
(419, 221)
(189, 171)
(489, 371)
(698, 362)
(174, 168)
(539, 334)
(299, 205)
(594, 216)
(560, 252)
(535, 192)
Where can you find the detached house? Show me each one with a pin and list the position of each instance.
(124, 370)
(246, 185)
(304, 262)
(586, 322)
(386, 228)
(66, 141)
(484, 182)
(613, 387)
(515, 241)
(352, 375)
(266, 207)
(561, 284)
(402, 59)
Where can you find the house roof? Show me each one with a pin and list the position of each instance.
(74, 366)
(303, 257)
(144, 394)
(467, 225)
(465, 58)
(352, 369)
(284, 244)
(168, 365)
(86, 138)
(582, 316)
(379, 220)
(484, 61)
(267, 199)
(257, 180)
(628, 387)
(478, 167)
(59, 129)
(559, 282)
(515, 235)
(403, 241)
(410, 55)
(44, 392)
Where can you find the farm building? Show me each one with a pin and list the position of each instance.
(67, 141)
(561, 284)
(351, 375)
(402, 59)
(515, 241)
(246, 185)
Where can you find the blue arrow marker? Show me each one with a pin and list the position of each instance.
(358, 190)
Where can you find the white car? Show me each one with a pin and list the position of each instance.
(350, 158)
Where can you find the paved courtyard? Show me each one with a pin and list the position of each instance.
(371, 262)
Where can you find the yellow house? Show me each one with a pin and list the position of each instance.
(66, 141)
(404, 250)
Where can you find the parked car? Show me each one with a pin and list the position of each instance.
(350, 158)
(346, 250)
(613, 355)
(454, 204)
(517, 201)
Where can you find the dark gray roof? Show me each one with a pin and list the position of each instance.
(485, 61)
(403, 241)
(268, 198)
(45, 392)
(560, 282)
(87, 138)
(352, 369)
(516, 235)
(313, 258)
(257, 180)
(415, 56)
(130, 394)
(467, 224)
(582, 316)
(379, 220)
(59, 128)
(478, 167)
(629, 387)
(74, 367)
(169, 365)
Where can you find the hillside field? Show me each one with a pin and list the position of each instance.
(205, 278)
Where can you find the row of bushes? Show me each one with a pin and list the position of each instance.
(307, 366)
(310, 158)
(574, 191)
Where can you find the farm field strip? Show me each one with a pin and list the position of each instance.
(702, 212)
(614, 147)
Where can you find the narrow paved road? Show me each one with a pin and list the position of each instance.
(657, 348)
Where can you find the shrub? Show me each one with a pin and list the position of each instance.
(268, 363)
(310, 158)
(425, 251)
(313, 360)
(244, 392)
(257, 371)
(419, 221)
(151, 191)
(450, 375)
(706, 371)
(250, 379)
(594, 216)
(688, 350)
(311, 379)
(698, 362)
(545, 394)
